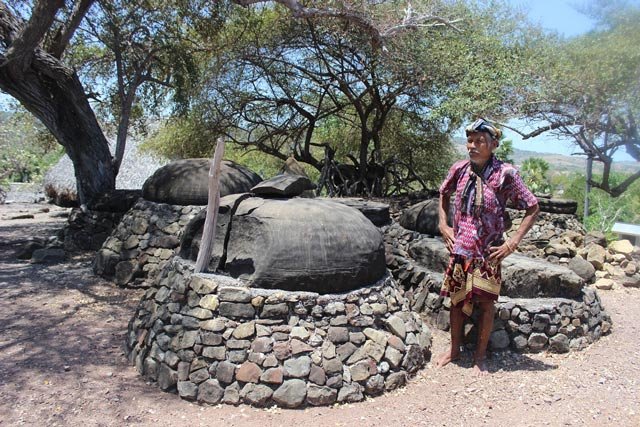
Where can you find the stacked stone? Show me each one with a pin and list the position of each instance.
(531, 325)
(215, 341)
(556, 324)
(87, 230)
(547, 225)
(616, 265)
(522, 324)
(145, 238)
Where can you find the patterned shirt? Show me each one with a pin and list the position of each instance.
(501, 182)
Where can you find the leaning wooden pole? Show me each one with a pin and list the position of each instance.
(213, 203)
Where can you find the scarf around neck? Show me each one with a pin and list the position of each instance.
(473, 193)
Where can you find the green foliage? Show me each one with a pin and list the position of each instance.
(27, 149)
(291, 87)
(534, 173)
(586, 88)
(605, 210)
(187, 137)
(505, 151)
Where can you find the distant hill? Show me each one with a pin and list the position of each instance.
(558, 163)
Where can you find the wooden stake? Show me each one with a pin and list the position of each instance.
(213, 203)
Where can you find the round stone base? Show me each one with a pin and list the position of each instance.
(213, 340)
(522, 324)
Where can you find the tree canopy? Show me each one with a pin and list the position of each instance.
(320, 91)
(588, 89)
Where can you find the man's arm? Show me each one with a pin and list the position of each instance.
(445, 230)
(498, 253)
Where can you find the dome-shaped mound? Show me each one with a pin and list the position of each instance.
(185, 182)
(293, 244)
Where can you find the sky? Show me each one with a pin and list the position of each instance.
(563, 17)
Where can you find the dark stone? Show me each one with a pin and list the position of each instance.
(187, 390)
(47, 256)
(520, 342)
(116, 201)
(540, 322)
(256, 394)
(350, 393)
(430, 253)
(345, 249)
(374, 385)
(321, 396)
(26, 251)
(225, 372)
(395, 380)
(559, 343)
(210, 392)
(186, 182)
(168, 242)
(332, 366)
(524, 277)
(233, 309)
(413, 359)
(126, 271)
(284, 185)
(167, 377)
(105, 263)
(499, 340)
(275, 310)
(345, 350)
(338, 335)
(582, 268)
(199, 376)
(423, 217)
(377, 213)
(210, 338)
(317, 375)
(334, 381)
(262, 345)
(232, 394)
(291, 393)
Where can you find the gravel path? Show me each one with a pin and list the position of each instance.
(61, 363)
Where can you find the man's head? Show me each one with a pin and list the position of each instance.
(482, 139)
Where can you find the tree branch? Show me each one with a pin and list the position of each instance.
(618, 189)
(33, 32)
(378, 36)
(65, 32)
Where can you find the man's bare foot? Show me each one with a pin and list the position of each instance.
(480, 367)
(446, 358)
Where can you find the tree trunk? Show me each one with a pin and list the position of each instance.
(54, 94)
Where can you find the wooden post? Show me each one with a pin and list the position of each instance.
(213, 203)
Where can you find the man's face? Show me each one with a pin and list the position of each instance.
(480, 145)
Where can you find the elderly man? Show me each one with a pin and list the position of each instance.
(482, 184)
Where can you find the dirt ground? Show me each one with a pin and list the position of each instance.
(61, 363)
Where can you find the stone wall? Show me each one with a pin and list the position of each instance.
(547, 226)
(144, 239)
(522, 324)
(212, 340)
(87, 230)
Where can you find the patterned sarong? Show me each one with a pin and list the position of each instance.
(467, 277)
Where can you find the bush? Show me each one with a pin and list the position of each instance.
(27, 149)
(605, 210)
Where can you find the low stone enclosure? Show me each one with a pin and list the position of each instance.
(542, 305)
(215, 340)
(301, 311)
